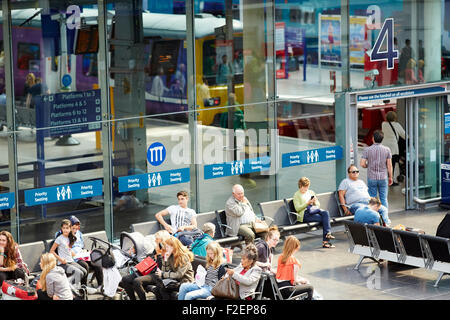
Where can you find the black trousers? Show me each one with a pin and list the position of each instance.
(98, 271)
(11, 275)
(132, 284)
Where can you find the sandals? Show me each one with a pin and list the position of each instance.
(328, 245)
(329, 236)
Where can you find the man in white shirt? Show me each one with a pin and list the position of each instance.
(182, 218)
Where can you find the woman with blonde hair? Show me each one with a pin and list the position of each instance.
(289, 281)
(308, 210)
(53, 280)
(176, 269)
(214, 271)
(11, 264)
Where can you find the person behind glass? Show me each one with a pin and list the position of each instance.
(308, 208)
(64, 243)
(240, 215)
(12, 266)
(215, 270)
(78, 247)
(182, 218)
(369, 214)
(54, 284)
(199, 245)
(224, 71)
(378, 161)
(134, 284)
(393, 131)
(176, 265)
(30, 80)
(247, 274)
(288, 271)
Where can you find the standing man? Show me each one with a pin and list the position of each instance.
(378, 161)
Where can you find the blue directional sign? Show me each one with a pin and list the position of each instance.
(156, 154)
(80, 109)
(154, 179)
(7, 200)
(311, 156)
(62, 193)
(237, 167)
(447, 123)
(405, 93)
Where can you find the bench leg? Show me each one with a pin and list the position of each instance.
(441, 274)
(361, 258)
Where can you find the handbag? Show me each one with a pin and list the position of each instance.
(146, 266)
(226, 288)
(260, 227)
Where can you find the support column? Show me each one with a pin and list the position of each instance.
(432, 40)
(345, 44)
(11, 119)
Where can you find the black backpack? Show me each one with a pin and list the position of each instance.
(102, 257)
(443, 230)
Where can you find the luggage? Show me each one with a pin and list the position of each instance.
(13, 290)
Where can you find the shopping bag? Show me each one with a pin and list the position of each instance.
(260, 227)
(200, 276)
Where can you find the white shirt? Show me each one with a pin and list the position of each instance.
(180, 216)
(390, 140)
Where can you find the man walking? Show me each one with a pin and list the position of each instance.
(378, 161)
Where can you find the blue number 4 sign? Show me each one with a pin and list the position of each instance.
(386, 31)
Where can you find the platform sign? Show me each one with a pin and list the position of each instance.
(7, 200)
(79, 109)
(311, 156)
(405, 93)
(445, 183)
(237, 167)
(62, 193)
(154, 179)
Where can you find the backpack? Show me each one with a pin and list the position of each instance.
(101, 257)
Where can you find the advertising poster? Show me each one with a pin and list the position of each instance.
(280, 50)
(330, 38)
(359, 41)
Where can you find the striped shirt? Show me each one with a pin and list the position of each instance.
(212, 276)
(376, 156)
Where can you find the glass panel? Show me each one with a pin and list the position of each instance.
(4, 169)
(398, 42)
(239, 156)
(429, 148)
(58, 117)
(147, 177)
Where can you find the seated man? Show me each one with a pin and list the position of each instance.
(369, 214)
(182, 218)
(240, 215)
(353, 194)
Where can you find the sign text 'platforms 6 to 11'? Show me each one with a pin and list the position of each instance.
(311, 156)
(80, 190)
(154, 179)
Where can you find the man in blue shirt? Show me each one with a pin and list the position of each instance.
(369, 214)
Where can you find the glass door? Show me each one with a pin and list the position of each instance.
(423, 149)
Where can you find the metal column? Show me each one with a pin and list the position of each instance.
(11, 119)
(195, 146)
(103, 77)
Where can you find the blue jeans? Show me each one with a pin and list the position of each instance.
(191, 291)
(381, 187)
(323, 216)
(383, 210)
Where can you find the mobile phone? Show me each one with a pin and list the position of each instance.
(160, 245)
(312, 197)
